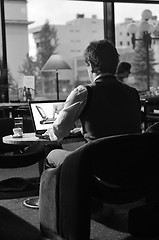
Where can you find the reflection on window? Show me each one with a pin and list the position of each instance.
(143, 57)
(16, 26)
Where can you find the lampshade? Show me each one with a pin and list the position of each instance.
(144, 26)
(132, 28)
(55, 62)
(146, 14)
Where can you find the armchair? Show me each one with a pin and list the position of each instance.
(114, 170)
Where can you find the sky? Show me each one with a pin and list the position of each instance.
(61, 11)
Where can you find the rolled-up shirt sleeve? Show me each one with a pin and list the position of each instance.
(67, 117)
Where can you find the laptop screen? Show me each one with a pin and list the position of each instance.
(44, 113)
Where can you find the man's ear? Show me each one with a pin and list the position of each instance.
(91, 67)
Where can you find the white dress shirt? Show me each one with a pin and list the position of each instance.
(67, 117)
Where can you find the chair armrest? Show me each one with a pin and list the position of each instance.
(48, 201)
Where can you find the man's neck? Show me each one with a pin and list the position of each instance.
(103, 74)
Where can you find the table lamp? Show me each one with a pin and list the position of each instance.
(54, 63)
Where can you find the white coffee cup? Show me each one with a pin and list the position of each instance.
(17, 132)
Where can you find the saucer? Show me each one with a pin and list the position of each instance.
(17, 136)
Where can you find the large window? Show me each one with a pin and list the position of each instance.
(143, 56)
(36, 29)
(75, 24)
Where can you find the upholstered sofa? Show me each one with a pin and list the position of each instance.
(117, 170)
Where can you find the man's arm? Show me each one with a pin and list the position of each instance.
(67, 117)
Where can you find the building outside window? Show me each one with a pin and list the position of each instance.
(73, 37)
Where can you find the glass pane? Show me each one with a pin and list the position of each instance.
(72, 25)
(142, 51)
(17, 44)
(48, 27)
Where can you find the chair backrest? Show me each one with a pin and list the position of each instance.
(121, 159)
(154, 128)
(125, 159)
(124, 162)
(6, 126)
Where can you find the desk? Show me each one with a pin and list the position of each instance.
(29, 138)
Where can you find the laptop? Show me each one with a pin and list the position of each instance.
(44, 113)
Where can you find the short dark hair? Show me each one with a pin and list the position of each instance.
(123, 67)
(102, 55)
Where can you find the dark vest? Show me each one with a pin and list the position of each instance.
(112, 108)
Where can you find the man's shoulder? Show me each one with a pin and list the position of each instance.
(131, 88)
(77, 93)
(80, 88)
(133, 92)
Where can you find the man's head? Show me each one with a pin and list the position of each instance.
(102, 57)
(123, 70)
